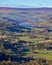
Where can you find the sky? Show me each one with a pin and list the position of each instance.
(26, 3)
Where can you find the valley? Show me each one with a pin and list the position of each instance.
(26, 36)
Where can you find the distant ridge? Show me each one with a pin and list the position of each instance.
(10, 8)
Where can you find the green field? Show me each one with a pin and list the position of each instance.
(40, 54)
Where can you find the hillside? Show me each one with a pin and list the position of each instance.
(25, 36)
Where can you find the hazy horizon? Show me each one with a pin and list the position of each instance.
(26, 4)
